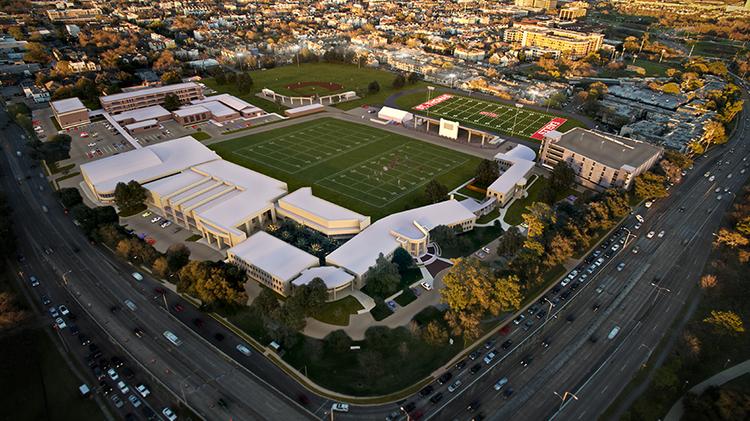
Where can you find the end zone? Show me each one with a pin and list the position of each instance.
(552, 125)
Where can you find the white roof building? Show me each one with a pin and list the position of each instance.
(515, 166)
(141, 114)
(336, 279)
(68, 105)
(237, 104)
(408, 229)
(321, 215)
(271, 261)
(394, 114)
(144, 165)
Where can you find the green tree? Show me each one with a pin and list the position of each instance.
(172, 102)
(317, 295)
(244, 83)
(129, 197)
(337, 341)
(726, 322)
(383, 278)
(650, 186)
(487, 172)
(36, 53)
(402, 259)
(266, 302)
(434, 334)
(562, 177)
(399, 81)
(412, 78)
(70, 197)
(177, 255)
(510, 242)
(373, 87)
(436, 191)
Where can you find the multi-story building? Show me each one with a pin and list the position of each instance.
(572, 13)
(468, 54)
(599, 160)
(70, 112)
(71, 15)
(141, 98)
(571, 43)
(537, 4)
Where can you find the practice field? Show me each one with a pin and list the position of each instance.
(494, 116)
(368, 170)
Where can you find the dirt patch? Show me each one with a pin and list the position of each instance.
(327, 86)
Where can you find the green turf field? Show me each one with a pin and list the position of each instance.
(494, 116)
(365, 169)
(350, 77)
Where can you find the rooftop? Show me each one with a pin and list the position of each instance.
(148, 91)
(67, 105)
(303, 199)
(274, 256)
(147, 113)
(611, 150)
(332, 276)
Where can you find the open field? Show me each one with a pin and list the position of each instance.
(494, 116)
(349, 77)
(365, 169)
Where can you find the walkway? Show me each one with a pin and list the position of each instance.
(675, 413)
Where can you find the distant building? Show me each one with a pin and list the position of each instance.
(38, 95)
(572, 13)
(572, 43)
(141, 98)
(70, 112)
(599, 160)
(468, 54)
(74, 15)
(537, 4)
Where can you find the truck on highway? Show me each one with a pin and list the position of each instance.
(44, 208)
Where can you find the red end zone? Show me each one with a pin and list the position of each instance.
(434, 101)
(552, 125)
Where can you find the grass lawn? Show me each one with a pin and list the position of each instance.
(518, 208)
(489, 115)
(410, 276)
(489, 217)
(65, 177)
(338, 312)
(476, 238)
(365, 169)
(39, 385)
(405, 298)
(392, 360)
(654, 68)
(471, 193)
(201, 136)
(54, 168)
(349, 77)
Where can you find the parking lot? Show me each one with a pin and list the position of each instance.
(163, 237)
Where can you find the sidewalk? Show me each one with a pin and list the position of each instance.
(675, 413)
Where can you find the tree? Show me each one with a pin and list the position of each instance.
(399, 81)
(725, 322)
(447, 237)
(160, 267)
(471, 290)
(383, 278)
(434, 334)
(681, 160)
(170, 78)
(436, 191)
(487, 172)
(402, 259)
(70, 197)
(412, 78)
(717, 403)
(317, 295)
(337, 341)
(560, 248)
(171, 102)
(538, 217)
(129, 197)
(36, 53)
(11, 314)
(177, 255)
(714, 133)
(708, 281)
(731, 239)
(244, 83)
(373, 87)
(650, 186)
(510, 242)
(266, 302)
(562, 177)
(165, 62)
(214, 283)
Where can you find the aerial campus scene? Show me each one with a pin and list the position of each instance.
(375, 210)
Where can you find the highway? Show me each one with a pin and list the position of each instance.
(72, 270)
(597, 371)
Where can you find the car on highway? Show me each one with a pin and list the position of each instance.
(595, 307)
(637, 225)
(639, 218)
(636, 249)
(729, 175)
(117, 401)
(490, 356)
(426, 285)
(454, 386)
(112, 374)
(707, 174)
(661, 234)
(500, 383)
(712, 178)
(171, 337)
(612, 333)
(473, 406)
(519, 319)
(545, 343)
(169, 414)
(426, 391)
(134, 401)
(527, 360)
(143, 390)
(621, 266)
(437, 397)
(138, 332)
(475, 368)
(507, 344)
(650, 234)
(244, 350)
(178, 307)
(718, 197)
(445, 377)
(60, 323)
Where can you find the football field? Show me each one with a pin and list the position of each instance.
(363, 168)
(497, 117)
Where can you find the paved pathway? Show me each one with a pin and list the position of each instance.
(675, 413)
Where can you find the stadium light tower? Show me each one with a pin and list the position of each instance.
(453, 78)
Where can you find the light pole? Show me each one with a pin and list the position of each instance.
(550, 309)
(452, 76)
(65, 276)
(658, 290)
(564, 397)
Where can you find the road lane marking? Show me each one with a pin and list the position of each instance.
(604, 389)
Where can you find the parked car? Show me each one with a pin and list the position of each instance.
(340, 407)
(143, 390)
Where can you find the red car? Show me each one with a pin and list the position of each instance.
(160, 291)
(178, 308)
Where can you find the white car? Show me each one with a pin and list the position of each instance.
(564, 282)
(500, 383)
(60, 323)
(134, 400)
(63, 310)
(143, 390)
(661, 234)
(615, 247)
(637, 226)
(146, 214)
(243, 349)
(707, 174)
(166, 224)
(453, 387)
(639, 218)
(620, 267)
(648, 204)
(717, 190)
(650, 234)
(340, 407)
(155, 219)
(712, 178)
(167, 412)
(486, 250)
(123, 387)
(112, 374)
(426, 285)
